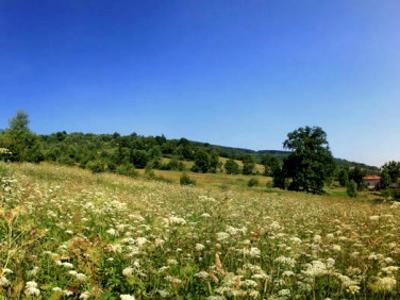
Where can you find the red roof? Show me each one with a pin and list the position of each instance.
(372, 177)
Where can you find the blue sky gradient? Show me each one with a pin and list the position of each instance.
(235, 73)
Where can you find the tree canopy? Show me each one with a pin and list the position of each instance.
(310, 163)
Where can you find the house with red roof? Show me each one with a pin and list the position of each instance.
(371, 181)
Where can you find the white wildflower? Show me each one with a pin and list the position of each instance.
(127, 272)
(202, 275)
(200, 247)
(85, 295)
(31, 288)
(4, 282)
(222, 236)
(112, 232)
(254, 252)
(384, 284)
(177, 220)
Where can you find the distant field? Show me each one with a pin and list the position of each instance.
(68, 234)
(215, 180)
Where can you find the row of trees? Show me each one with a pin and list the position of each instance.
(116, 153)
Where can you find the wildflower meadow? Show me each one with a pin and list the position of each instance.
(68, 234)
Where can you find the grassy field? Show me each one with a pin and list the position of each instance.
(68, 234)
(218, 180)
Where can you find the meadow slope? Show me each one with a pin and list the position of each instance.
(68, 234)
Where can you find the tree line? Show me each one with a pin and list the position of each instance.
(122, 154)
(308, 165)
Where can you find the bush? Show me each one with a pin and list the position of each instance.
(96, 166)
(201, 162)
(126, 170)
(252, 182)
(186, 180)
(351, 189)
(231, 167)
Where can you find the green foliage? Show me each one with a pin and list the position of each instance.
(393, 169)
(252, 182)
(231, 167)
(357, 174)
(311, 163)
(139, 158)
(270, 164)
(201, 162)
(278, 178)
(214, 162)
(387, 193)
(351, 189)
(96, 166)
(126, 169)
(20, 141)
(65, 160)
(248, 164)
(20, 122)
(173, 164)
(386, 180)
(343, 176)
(185, 149)
(186, 180)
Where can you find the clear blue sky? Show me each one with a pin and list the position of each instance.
(237, 73)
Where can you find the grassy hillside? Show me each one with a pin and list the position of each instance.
(68, 234)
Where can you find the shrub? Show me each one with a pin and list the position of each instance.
(231, 167)
(201, 162)
(186, 180)
(126, 170)
(351, 189)
(96, 166)
(252, 182)
(139, 158)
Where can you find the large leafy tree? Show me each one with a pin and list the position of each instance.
(311, 163)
